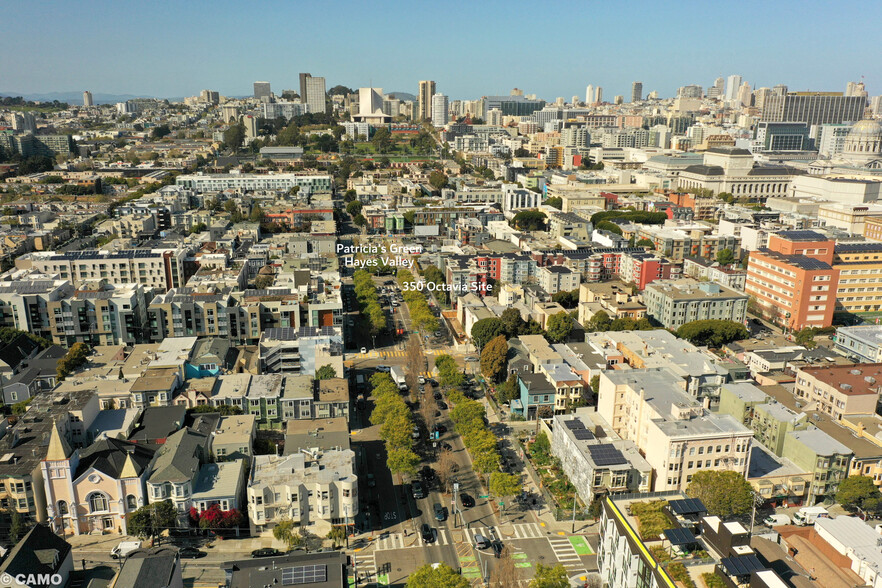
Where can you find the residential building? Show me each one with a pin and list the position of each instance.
(332, 399)
(557, 278)
(674, 303)
(862, 343)
(39, 554)
(424, 100)
(221, 484)
(739, 400)
(254, 572)
(301, 351)
(233, 437)
(262, 91)
(823, 456)
(636, 91)
(175, 468)
(320, 434)
(728, 276)
(641, 268)
(860, 277)
(186, 312)
(308, 184)
(772, 422)
(25, 305)
(312, 93)
(439, 110)
(792, 281)
(148, 567)
(839, 390)
(777, 480)
(315, 489)
(597, 466)
(676, 435)
(39, 375)
(536, 398)
(109, 315)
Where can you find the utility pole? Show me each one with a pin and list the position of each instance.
(574, 515)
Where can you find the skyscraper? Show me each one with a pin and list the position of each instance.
(262, 90)
(636, 91)
(733, 86)
(424, 99)
(814, 108)
(24, 122)
(589, 95)
(599, 97)
(87, 98)
(312, 92)
(744, 94)
(855, 89)
(439, 110)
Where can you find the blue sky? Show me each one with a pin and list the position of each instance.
(469, 48)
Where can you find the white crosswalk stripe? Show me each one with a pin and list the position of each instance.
(565, 552)
(365, 565)
(445, 536)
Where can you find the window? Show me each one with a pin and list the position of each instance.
(97, 502)
(62, 508)
(131, 502)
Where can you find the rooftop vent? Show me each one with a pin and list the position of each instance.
(855, 372)
(870, 380)
(846, 386)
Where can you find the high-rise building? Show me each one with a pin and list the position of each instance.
(209, 97)
(813, 108)
(589, 95)
(760, 95)
(517, 92)
(439, 110)
(312, 92)
(733, 86)
(87, 98)
(876, 105)
(575, 100)
(599, 97)
(250, 124)
(424, 99)
(855, 89)
(779, 90)
(690, 91)
(744, 94)
(24, 122)
(262, 91)
(619, 99)
(636, 91)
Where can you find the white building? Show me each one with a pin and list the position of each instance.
(308, 184)
(557, 278)
(440, 113)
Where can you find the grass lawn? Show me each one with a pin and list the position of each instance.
(651, 521)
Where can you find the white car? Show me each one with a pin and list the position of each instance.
(364, 349)
(422, 380)
(124, 548)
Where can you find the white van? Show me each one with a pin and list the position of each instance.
(124, 548)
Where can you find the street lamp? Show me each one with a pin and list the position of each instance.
(346, 521)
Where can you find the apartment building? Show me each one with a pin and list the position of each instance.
(700, 268)
(826, 458)
(642, 268)
(557, 278)
(186, 312)
(233, 437)
(862, 343)
(597, 466)
(676, 435)
(674, 303)
(159, 269)
(792, 281)
(175, 468)
(306, 184)
(109, 315)
(860, 276)
(839, 390)
(25, 304)
(315, 489)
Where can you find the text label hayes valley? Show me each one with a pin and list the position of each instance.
(382, 251)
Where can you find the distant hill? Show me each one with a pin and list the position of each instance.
(404, 96)
(76, 97)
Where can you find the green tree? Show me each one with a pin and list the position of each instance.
(221, 409)
(550, 577)
(555, 201)
(256, 214)
(486, 329)
(714, 333)
(337, 535)
(859, 492)
(152, 519)
(234, 136)
(503, 485)
(508, 390)
(609, 226)
(559, 327)
(725, 257)
(438, 180)
(403, 461)
(354, 208)
(645, 243)
(567, 299)
(17, 526)
(724, 493)
(529, 220)
(159, 132)
(512, 323)
(806, 337)
(19, 408)
(326, 372)
(436, 576)
(359, 221)
(493, 358)
(382, 140)
(396, 430)
(286, 531)
(599, 323)
(75, 357)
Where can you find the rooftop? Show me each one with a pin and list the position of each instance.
(851, 379)
(219, 479)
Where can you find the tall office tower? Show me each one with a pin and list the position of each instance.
(262, 91)
(250, 124)
(814, 108)
(575, 100)
(779, 90)
(619, 99)
(636, 91)
(589, 95)
(559, 102)
(876, 105)
(855, 89)
(439, 110)
(87, 99)
(760, 95)
(424, 99)
(733, 86)
(744, 94)
(720, 84)
(209, 97)
(494, 117)
(691, 91)
(599, 97)
(312, 93)
(24, 122)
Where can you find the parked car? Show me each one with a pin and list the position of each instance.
(427, 473)
(440, 429)
(440, 513)
(266, 552)
(466, 500)
(383, 368)
(124, 548)
(447, 447)
(190, 553)
(497, 549)
(421, 380)
(481, 542)
(442, 405)
(437, 396)
(364, 349)
(471, 358)
(416, 487)
(428, 533)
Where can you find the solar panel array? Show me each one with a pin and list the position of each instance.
(680, 536)
(742, 565)
(583, 434)
(687, 506)
(606, 455)
(573, 424)
(304, 575)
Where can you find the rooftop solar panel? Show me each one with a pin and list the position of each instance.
(606, 455)
(573, 424)
(680, 536)
(742, 565)
(583, 434)
(687, 506)
(299, 575)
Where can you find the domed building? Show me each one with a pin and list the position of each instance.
(863, 145)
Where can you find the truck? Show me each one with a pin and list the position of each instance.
(809, 514)
(124, 548)
(776, 520)
(397, 374)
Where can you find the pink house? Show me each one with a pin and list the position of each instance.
(93, 489)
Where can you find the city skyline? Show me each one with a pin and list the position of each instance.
(178, 59)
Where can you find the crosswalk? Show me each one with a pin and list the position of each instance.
(449, 537)
(566, 553)
(365, 565)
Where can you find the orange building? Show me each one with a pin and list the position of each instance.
(792, 281)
